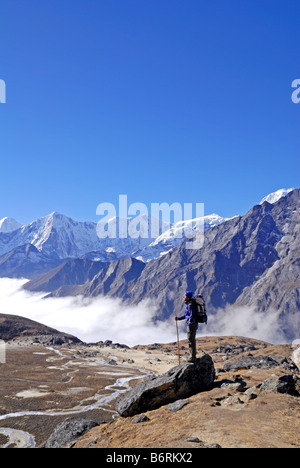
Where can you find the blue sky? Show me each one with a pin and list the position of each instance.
(161, 100)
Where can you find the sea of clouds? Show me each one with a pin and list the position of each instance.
(104, 318)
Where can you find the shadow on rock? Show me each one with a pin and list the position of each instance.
(179, 382)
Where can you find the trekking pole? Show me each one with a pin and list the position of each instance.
(177, 337)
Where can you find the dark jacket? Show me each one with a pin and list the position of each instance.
(190, 313)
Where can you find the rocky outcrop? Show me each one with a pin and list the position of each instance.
(68, 431)
(259, 362)
(285, 384)
(179, 382)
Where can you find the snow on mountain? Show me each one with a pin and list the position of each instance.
(61, 237)
(176, 234)
(275, 196)
(9, 225)
(56, 235)
(140, 242)
(121, 238)
(188, 228)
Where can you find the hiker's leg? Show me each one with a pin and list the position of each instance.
(192, 329)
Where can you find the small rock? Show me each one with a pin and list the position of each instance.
(250, 394)
(177, 405)
(112, 362)
(195, 440)
(119, 346)
(211, 446)
(248, 397)
(238, 386)
(231, 401)
(251, 390)
(141, 418)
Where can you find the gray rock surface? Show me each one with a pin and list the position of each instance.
(68, 431)
(258, 362)
(285, 384)
(179, 382)
(177, 405)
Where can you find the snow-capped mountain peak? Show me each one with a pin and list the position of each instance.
(275, 196)
(9, 225)
(176, 234)
(60, 237)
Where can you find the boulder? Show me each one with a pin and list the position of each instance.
(258, 362)
(285, 384)
(68, 431)
(179, 382)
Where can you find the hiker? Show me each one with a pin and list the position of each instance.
(192, 324)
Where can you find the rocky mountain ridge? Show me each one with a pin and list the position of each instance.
(21, 329)
(61, 238)
(248, 261)
(26, 261)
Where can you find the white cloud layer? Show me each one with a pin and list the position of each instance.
(247, 322)
(104, 318)
(91, 320)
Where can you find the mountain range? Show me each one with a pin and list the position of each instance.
(59, 237)
(53, 239)
(246, 261)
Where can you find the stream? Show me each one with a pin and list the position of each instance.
(22, 439)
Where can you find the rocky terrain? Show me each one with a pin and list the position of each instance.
(49, 376)
(71, 394)
(253, 404)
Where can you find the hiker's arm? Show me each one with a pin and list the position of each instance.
(182, 317)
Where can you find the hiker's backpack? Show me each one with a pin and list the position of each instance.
(201, 315)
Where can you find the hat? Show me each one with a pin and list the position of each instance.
(189, 294)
